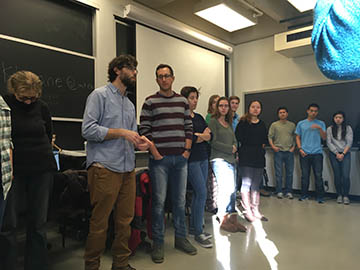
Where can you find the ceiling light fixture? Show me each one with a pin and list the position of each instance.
(227, 14)
(303, 5)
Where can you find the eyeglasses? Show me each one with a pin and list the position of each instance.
(26, 98)
(166, 76)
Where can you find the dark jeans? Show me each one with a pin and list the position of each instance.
(2, 205)
(35, 190)
(286, 158)
(341, 173)
(314, 161)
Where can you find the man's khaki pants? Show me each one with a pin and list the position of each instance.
(110, 191)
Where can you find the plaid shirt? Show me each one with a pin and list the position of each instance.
(5, 146)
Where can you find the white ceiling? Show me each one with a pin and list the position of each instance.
(279, 16)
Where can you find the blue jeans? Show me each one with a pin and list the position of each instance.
(314, 161)
(170, 170)
(225, 178)
(287, 158)
(341, 173)
(197, 176)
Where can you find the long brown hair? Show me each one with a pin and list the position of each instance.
(228, 116)
(247, 116)
(211, 100)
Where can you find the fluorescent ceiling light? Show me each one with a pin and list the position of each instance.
(303, 5)
(225, 17)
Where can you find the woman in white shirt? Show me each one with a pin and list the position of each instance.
(339, 140)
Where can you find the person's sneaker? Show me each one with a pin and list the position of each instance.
(339, 199)
(184, 245)
(203, 241)
(157, 253)
(207, 235)
(303, 198)
(346, 200)
(289, 195)
(280, 195)
(320, 200)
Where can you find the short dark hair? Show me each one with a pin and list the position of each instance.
(314, 105)
(187, 90)
(282, 108)
(164, 66)
(125, 60)
(234, 97)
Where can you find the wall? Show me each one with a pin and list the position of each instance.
(256, 66)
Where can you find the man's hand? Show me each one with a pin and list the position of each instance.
(302, 153)
(292, 149)
(144, 144)
(234, 149)
(275, 148)
(132, 137)
(315, 126)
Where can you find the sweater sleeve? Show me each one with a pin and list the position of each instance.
(188, 125)
(349, 136)
(48, 122)
(336, 30)
(329, 137)
(146, 119)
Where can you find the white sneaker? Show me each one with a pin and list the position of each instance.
(339, 199)
(289, 196)
(346, 200)
(280, 195)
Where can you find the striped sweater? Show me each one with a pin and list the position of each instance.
(166, 121)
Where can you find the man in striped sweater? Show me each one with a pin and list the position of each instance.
(165, 120)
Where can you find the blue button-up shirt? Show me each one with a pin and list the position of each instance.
(107, 108)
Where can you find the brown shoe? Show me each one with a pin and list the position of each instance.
(233, 217)
(227, 226)
(265, 193)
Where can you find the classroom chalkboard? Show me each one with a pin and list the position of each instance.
(67, 79)
(59, 23)
(343, 96)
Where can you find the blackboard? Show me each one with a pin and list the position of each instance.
(67, 79)
(59, 23)
(343, 96)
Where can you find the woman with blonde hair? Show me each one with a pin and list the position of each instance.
(211, 107)
(34, 165)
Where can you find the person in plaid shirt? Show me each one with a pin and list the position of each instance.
(5, 154)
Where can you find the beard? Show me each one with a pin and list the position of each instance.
(128, 81)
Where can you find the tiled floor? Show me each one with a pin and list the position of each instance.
(299, 236)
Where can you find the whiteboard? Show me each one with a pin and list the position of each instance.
(192, 65)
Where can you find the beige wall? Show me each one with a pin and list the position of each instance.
(256, 66)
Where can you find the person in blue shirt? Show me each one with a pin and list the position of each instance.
(110, 128)
(309, 133)
(335, 38)
(234, 105)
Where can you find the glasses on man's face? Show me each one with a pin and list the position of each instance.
(166, 76)
(26, 98)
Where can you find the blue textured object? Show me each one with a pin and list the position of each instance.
(336, 38)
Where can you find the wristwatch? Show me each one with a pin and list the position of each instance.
(188, 149)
